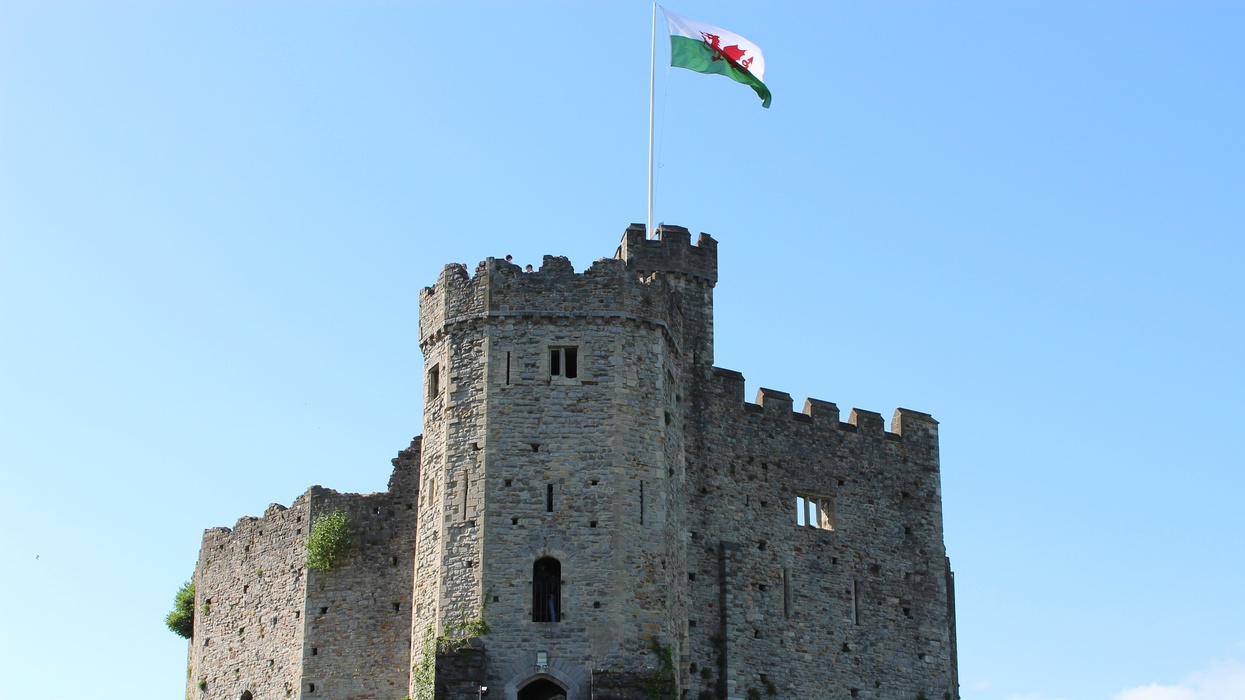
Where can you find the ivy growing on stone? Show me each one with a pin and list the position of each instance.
(329, 542)
(182, 620)
(458, 635)
(654, 683)
(424, 674)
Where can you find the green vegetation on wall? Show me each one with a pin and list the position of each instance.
(329, 541)
(182, 620)
(655, 682)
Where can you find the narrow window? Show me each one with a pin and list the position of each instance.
(641, 501)
(549, 498)
(786, 593)
(434, 382)
(564, 362)
(855, 602)
(546, 590)
(507, 367)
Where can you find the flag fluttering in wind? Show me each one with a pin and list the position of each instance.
(705, 49)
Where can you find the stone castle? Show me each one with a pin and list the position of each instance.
(595, 511)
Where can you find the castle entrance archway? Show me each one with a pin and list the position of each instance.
(542, 689)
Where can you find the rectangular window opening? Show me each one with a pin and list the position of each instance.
(814, 511)
(434, 382)
(548, 498)
(564, 362)
(507, 367)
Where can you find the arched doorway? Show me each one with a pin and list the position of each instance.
(542, 689)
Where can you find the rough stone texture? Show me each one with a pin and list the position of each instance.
(667, 499)
(250, 588)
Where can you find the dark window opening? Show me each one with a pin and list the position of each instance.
(641, 501)
(546, 590)
(507, 368)
(549, 498)
(315, 651)
(434, 382)
(397, 607)
(246, 694)
(564, 362)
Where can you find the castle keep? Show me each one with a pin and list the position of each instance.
(594, 510)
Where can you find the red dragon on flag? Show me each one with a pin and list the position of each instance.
(731, 54)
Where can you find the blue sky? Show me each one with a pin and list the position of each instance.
(1025, 218)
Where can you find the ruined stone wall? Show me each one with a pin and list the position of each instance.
(266, 624)
(249, 590)
(790, 611)
(357, 641)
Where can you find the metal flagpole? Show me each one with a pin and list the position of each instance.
(652, 73)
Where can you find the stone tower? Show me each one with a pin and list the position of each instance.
(554, 447)
(594, 511)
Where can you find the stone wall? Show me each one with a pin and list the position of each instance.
(357, 643)
(790, 610)
(250, 585)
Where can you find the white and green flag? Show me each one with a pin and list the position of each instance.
(705, 49)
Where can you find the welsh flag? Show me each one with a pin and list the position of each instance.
(707, 49)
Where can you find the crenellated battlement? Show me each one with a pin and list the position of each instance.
(779, 406)
(610, 287)
(671, 252)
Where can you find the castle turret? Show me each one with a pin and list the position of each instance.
(553, 458)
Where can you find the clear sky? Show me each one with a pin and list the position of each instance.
(1025, 218)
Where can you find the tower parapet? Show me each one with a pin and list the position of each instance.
(671, 252)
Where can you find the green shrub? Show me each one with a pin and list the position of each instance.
(182, 620)
(329, 541)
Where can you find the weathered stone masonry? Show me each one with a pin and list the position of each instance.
(600, 494)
